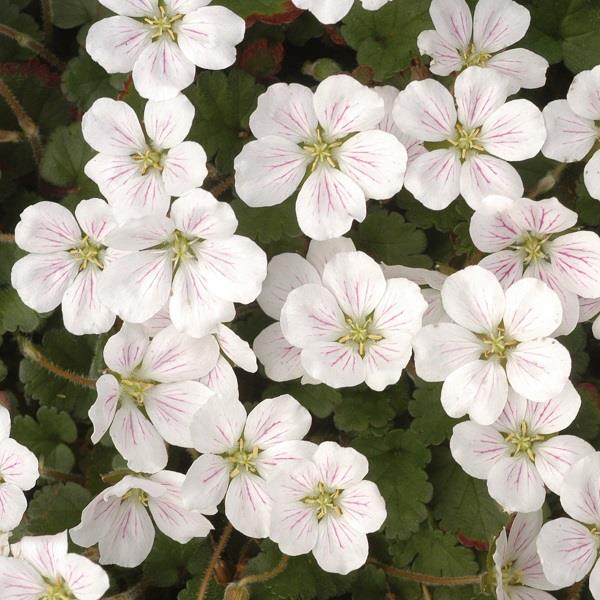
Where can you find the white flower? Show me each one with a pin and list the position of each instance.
(332, 11)
(149, 395)
(460, 41)
(18, 473)
(139, 173)
(572, 126)
(589, 308)
(517, 569)
(569, 548)
(285, 273)
(239, 455)
(191, 260)
(4, 543)
(496, 339)
(43, 569)
(68, 256)
(520, 453)
(355, 326)
(474, 139)
(163, 42)
(324, 506)
(119, 522)
(524, 238)
(326, 143)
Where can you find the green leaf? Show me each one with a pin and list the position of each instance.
(396, 465)
(84, 81)
(47, 436)
(197, 563)
(320, 400)
(73, 13)
(362, 409)
(268, 224)
(21, 22)
(461, 503)
(576, 344)
(56, 507)
(14, 314)
(369, 583)
(244, 8)
(385, 40)
(587, 422)
(224, 103)
(430, 421)
(386, 237)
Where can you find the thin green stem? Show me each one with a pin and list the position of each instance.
(267, 575)
(47, 13)
(432, 580)
(132, 593)
(548, 181)
(26, 41)
(218, 550)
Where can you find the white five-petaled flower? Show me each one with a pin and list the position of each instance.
(119, 522)
(496, 338)
(191, 260)
(149, 396)
(517, 570)
(41, 568)
(324, 506)
(460, 41)
(524, 237)
(589, 308)
(520, 453)
(328, 144)
(18, 473)
(573, 127)
(162, 42)
(67, 261)
(569, 548)
(285, 273)
(331, 11)
(139, 173)
(240, 454)
(471, 141)
(355, 326)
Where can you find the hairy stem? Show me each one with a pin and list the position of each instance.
(431, 580)
(7, 238)
(10, 137)
(268, 575)
(218, 550)
(132, 593)
(548, 181)
(60, 475)
(47, 14)
(26, 41)
(221, 188)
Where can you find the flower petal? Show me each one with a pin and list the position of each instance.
(339, 547)
(248, 505)
(124, 351)
(13, 505)
(498, 24)
(206, 482)
(44, 552)
(591, 176)
(283, 455)
(326, 11)
(96, 218)
(384, 360)
(445, 58)
(85, 579)
(363, 507)
(279, 358)
(339, 467)
(555, 414)
(524, 68)
(19, 580)
(321, 252)
(168, 122)
(141, 233)
(583, 94)
(336, 365)
(102, 412)
(400, 309)
(236, 349)
(131, 8)
(294, 526)
(452, 20)
(506, 265)
(580, 496)
(493, 227)
(184, 168)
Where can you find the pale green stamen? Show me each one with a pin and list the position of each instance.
(497, 344)
(532, 248)
(136, 388)
(322, 151)
(466, 141)
(473, 58)
(163, 25)
(181, 246)
(137, 495)
(510, 577)
(359, 334)
(325, 500)
(57, 590)
(242, 459)
(150, 159)
(88, 253)
(524, 442)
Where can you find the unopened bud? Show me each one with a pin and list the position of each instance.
(321, 69)
(234, 591)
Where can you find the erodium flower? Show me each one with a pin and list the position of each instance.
(528, 238)
(324, 506)
(331, 11)
(139, 173)
(496, 338)
(573, 130)
(355, 326)
(569, 548)
(285, 273)
(517, 569)
(149, 396)
(67, 261)
(520, 453)
(119, 522)
(191, 260)
(43, 569)
(162, 42)
(460, 41)
(18, 473)
(470, 137)
(326, 143)
(240, 453)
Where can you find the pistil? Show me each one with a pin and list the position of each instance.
(163, 24)
(88, 253)
(510, 577)
(325, 501)
(242, 459)
(359, 334)
(531, 248)
(466, 141)
(137, 495)
(149, 159)
(497, 344)
(136, 388)
(473, 58)
(523, 441)
(322, 151)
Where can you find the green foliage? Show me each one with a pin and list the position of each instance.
(430, 421)
(84, 81)
(320, 400)
(363, 409)
(73, 13)
(256, 7)
(268, 224)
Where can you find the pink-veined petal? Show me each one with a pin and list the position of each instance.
(498, 24)
(294, 526)
(283, 455)
(445, 58)
(524, 68)
(339, 467)
(236, 349)
(543, 216)
(280, 359)
(385, 359)
(44, 552)
(102, 412)
(339, 547)
(169, 121)
(452, 20)
(583, 95)
(96, 218)
(19, 580)
(13, 505)
(400, 309)
(492, 227)
(184, 168)
(141, 233)
(506, 265)
(580, 496)
(248, 505)
(363, 507)
(124, 351)
(555, 414)
(206, 482)
(336, 365)
(85, 579)
(591, 176)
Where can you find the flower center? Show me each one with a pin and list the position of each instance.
(523, 441)
(473, 58)
(163, 24)
(242, 459)
(321, 151)
(532, 248)
(136, 495)
(510, 577)
(88, 253)
(359, 334)
(57, 589)
(181, 246)
(136, 388)
(497, 344)
(466, 141)
(325, 501)
(150, 159)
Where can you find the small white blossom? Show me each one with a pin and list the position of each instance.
(460, 41)
(67, 261)
(149, 396)
(239, 455)
(324, 506)
(496, 338)
(354, 326)
(119, 522)
(136, 172)
(332, 11)
(475, 134)
(163, 42)
(573, 130)
(328, 144)
(42, 569)
(524, 239)
(520, 453)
